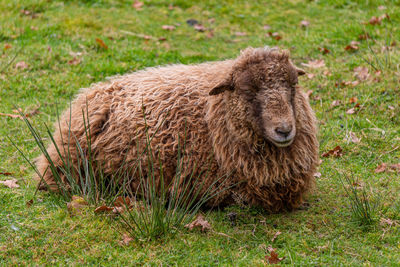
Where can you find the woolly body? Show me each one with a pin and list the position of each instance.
(176, 100)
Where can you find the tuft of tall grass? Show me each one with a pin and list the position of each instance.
(87, 179)
(165, 208)
(159, 209)
(364, 208)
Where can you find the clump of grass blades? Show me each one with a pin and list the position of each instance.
(165, 208)
(364, 208)
(159, 209)
(87, 179)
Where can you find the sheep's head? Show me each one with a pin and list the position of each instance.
(261, 92)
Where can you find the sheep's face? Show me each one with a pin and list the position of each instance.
(262, 94)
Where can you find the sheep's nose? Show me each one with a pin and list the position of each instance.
(284, 130)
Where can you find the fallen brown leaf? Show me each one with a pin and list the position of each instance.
(384, 222)
(336, 152)
(327, 73)
(375, 20)
(122, 202)
(310, 75)
(15, 116)
(274, 35)
(351, 111)
(314, 64)
(75, 61)
(199, 222)
(240, 33)
(317, 175)
(10, 183)
(101, 43)
(304, 23)
(168, 27)
(353, 100)
(103, 209)
(381, 168)
(137, 5)
(335, 103)
(199, 27)
(275, 236)
(361, 73)
(353, 46)
(6, 173)
(395, 167)
(76, 205)
(364, 36)
(352, 137)
(21, 65)
(272, 258)
(266, 27)
(324, 50)
(29, 203)
(126, 239)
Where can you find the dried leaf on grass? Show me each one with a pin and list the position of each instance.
(275, 236)
(10, 183)
(126, 239)
(317, 175)
(101, 43)
(304, 23)
(18, 111)
(273, 257)
(353, 100)
(168, 27)
(120, 205)
(335, 103)
(137, 5)
(6, 173)
(353, 46)
(103, 209)
(378, 20)
(76, 205)
(364, 36)
(199, 27)
(21, 65)
(314, 64)
(361, 73)
(274, 35)
(240, 33)
(336, 152)
(29, 203)
(385, 167)
(199, 222)
(351, 111)
(384, 222)
(352, 137)
(15, 116)
(75, 61)
(324, 50)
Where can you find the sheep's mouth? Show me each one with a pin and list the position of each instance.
(283, 143)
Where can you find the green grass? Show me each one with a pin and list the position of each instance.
(325, 233)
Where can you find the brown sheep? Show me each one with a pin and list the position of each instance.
(247, 113)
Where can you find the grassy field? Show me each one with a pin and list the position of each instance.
(48, 50)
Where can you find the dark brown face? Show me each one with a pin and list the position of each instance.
(261, 92)
(271, 98)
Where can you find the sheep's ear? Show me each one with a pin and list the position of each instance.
(220, 88)
(300, 72)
